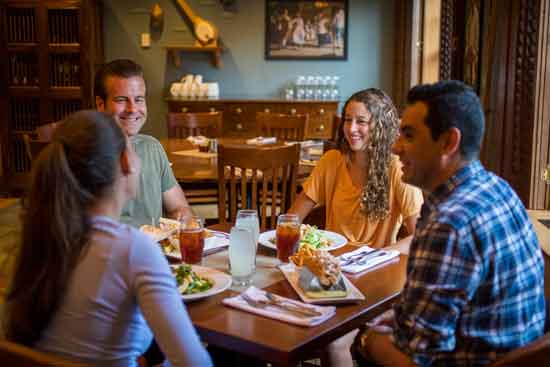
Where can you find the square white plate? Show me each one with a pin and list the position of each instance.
(291, 273)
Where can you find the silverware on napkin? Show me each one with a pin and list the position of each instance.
(362, 258)
(290, 303)
(256, 303)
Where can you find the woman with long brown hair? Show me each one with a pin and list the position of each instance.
(87, 287)
(360, 186)
(360, 182)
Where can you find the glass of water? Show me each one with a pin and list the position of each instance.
(242, 255)
(247, 218)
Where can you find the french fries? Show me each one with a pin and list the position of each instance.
(303, 253)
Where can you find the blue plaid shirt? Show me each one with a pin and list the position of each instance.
(475, 275)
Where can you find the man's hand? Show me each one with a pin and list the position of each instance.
(383, 324)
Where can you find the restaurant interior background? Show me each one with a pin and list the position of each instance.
(498, 46)
(245, 70)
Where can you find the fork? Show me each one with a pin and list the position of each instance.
(263, 304)
(361, 258)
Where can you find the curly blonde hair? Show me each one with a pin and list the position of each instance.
(383, 132)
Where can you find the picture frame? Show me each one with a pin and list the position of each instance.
(306, 30)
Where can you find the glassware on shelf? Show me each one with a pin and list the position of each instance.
(300, 87)
(310, 87)
(334, 89)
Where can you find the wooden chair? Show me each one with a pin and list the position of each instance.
(286, 127)
(16, 355)
(184, 124)
(260, 175)
(534, 354)
(33, 146)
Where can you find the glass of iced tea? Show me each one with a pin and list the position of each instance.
(287, 236)
(191, 239)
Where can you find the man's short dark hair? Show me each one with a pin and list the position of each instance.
(452, 103)
(122, 68)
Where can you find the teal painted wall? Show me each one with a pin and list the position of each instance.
(245, 70)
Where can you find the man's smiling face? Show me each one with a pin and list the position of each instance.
(126, 102)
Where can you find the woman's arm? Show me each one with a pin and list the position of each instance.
(302, 206)
(162, 307)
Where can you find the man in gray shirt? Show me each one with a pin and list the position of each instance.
(120, 90)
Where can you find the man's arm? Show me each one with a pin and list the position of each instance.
(175, 204)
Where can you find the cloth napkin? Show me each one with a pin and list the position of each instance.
(260, 140)
(276, 313)
(379, 258)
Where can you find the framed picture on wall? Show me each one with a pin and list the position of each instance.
(306, 30)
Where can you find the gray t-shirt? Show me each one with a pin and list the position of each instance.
(156, 178)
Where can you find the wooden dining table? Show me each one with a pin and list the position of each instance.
(280, 343)
(195, 170)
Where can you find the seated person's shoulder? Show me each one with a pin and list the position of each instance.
(332, 156)
(146, 140)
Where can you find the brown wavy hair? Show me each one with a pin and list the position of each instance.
(70, 174)
(383, 132)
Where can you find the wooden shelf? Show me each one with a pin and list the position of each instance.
(215, 51)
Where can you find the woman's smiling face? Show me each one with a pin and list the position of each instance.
(357, 126)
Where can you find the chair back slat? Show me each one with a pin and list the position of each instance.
(267, 173)
(282, 126)
(184, 124)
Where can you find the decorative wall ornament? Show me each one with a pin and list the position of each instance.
(156, 21)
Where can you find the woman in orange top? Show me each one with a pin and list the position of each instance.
(360, 186)
(360, 183)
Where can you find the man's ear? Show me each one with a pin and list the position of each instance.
(99, 104)
(451, 141)
(125, 165)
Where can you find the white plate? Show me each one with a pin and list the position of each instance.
(291, 273)
(336, 239)
(221, 281)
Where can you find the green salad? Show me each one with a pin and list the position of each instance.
(312, 237)
(190, 282)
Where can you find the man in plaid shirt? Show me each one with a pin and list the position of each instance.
(475, 276)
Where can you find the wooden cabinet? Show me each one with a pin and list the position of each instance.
(239, 114)
(51, 49)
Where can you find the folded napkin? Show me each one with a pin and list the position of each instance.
(359, 263)
(277, 313)
(260, 140)
(198, 140)
(219, 241)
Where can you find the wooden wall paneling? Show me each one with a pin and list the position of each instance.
(488, 69)
(524, 96)
(469, 54)
(540, 191)
(431, 41)
(3, 91)
(402, 48)
(446, 39)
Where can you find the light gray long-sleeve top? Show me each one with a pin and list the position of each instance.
(121, 290)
